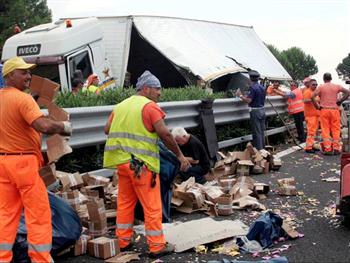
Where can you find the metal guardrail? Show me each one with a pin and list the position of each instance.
(88, 122)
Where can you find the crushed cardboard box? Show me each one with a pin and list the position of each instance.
(202, 231)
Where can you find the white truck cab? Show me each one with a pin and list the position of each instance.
(62, 49)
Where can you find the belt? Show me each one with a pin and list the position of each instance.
(24, 153)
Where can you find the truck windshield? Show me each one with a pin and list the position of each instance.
(47, 71)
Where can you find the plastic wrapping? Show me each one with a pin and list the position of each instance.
(66, 229)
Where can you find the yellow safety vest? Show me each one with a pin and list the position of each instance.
(128, 135)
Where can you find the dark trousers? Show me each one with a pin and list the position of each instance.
(299, 124)
(195, 171)
(257, 124)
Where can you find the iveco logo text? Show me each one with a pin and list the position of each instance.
(28, 50)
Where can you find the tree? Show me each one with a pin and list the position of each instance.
(343, 69)
(298, 64)
(24, 13)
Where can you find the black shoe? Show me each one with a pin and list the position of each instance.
(336, 152)
(168, 248)
(128, 247)
(310, 151)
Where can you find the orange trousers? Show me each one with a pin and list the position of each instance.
(330, 129)
(130, 190)
(21, 186)
(312, 127)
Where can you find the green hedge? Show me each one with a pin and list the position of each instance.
(114, 96)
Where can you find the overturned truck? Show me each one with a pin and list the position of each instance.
(178, 51)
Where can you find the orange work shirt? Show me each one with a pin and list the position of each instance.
(271, 92)
(151, 113)
(309, 107)
(18, 110)
(328, 93)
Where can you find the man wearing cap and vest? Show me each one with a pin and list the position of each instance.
(133, 129)
(92, 84)
(311, 114)
(256, 102)
(295, 108)
(21, 186)
(330, 114)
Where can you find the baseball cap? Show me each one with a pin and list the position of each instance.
(15, 63)
(254, 75)
(91, 78)
(147, 79)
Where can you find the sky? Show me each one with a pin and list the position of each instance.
(319, 27)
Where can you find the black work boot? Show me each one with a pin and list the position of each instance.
(167, 249)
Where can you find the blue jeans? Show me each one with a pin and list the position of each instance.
(257, 123)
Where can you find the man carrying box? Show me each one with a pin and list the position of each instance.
(22, 123)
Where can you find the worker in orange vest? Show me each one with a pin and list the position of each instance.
(330, 114)
(295, 107)
(21, 186)
(133, 129)
(274, 89)
(311, 114)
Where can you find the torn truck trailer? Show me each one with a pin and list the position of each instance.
(178, 51)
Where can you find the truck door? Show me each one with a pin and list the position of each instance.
(79, 65)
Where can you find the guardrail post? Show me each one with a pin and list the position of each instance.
(208, 128)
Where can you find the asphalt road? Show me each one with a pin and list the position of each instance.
(326, 238)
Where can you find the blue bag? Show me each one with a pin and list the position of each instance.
(66, 229)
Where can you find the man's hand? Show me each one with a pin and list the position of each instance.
(238, 92)
(184, 163)
(191, 160)
(67, 131)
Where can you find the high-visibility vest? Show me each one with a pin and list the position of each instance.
(128, 136)
(297, 104)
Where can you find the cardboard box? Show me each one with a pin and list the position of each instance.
(100, 189)
(276, 163)
(103, 247)
(227, 184)
(72, 198)
(288, 190)
(71, 181)
(244, 167)
(98, 180)
(198, 198)
(57, 146)
(98, 228)
(225, 205)
(80, 247)
(48, 174)
(286, 181)
(213, 193)
(243, 187)
(45, 89)
(96, 210)
(56, 113)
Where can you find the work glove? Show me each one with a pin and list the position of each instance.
(68, 129)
